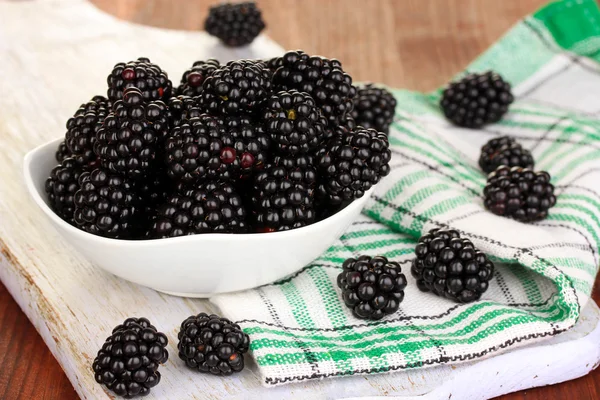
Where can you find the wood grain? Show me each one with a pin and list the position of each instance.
(415, 44)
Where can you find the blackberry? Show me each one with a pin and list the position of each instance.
(476, 100)
(209, 343)
(239, 86)
(282, 197)
(129, 359)
(212, 148)
(106, 205)
(450, 266)
(504, 150)
(82, 129)
(519, 193)
(294, 122)
(62, 152)
(61, 187)
(193, 78)
(182, 108)
(374, 108)
(235, 24)
(127, 142)
(351, 164)
(207, 208)
(322, 78)
(153, 192)
(273, 63)
(149, 78)
(372, 287)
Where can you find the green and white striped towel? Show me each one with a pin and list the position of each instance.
(300, 328)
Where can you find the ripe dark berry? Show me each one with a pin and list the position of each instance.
(504, 150)
(149, 78)
(450, 266)
(273, 63)
(207, 208)
(211, 344)
(62, 152)
(519, 193)
(372, 287)
(61, 187)
(128, 141)
(213, 148)
(127, 364)
(374, 108)
(294, 122)
(182, 108)
(477, 99)
(153, 192)
(238, 87)
(351, 164)
(235, 24)
(322, 78)
(106, 204)
(82, 129)
(282, 197)
(193, 78)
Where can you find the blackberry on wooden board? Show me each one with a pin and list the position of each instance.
(107, 204)
(519, 193)
(294, 122)
(235, 24)
(450, 266)
(148, 77)
(372, 286)
(238, 87)
(504, 150)
(322, 78)
(211, 344)
(82, 129)
(282, 198)
(129, 139)
(351, 164)
(206, 208)
(193, 78)
(477, 99)
(61, 187)
(374, 107)
(128, 362)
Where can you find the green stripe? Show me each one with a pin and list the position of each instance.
(328, 296)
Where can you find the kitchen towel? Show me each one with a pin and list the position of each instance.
(301, 329)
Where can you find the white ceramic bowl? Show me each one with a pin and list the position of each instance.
(199, 265)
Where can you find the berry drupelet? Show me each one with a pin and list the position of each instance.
(294, 122)
(211, 344)
(504, 150)
(374, 108)
(193, 78)
(61, 187)
(62, 152)
(128, 141)
(477, 99)
(273, 63)
(519, 193)
(372, 287)
(106, 205)
(149, 78)
(351, 164)
(238, 87)
(282, 197)
(322, 78)
(128, 361)
(235, 24)
(450, 266)
(207, 208)
(82, 129)
(182, 108)
(213, 148)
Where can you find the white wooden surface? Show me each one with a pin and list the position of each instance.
(55, 55)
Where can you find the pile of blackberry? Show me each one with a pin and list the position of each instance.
(235, 24)
(243, 147)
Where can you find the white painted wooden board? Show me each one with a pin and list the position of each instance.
(54, 56)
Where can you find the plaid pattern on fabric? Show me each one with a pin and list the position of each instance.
(300, 328)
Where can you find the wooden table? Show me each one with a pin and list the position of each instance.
(415, 44)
